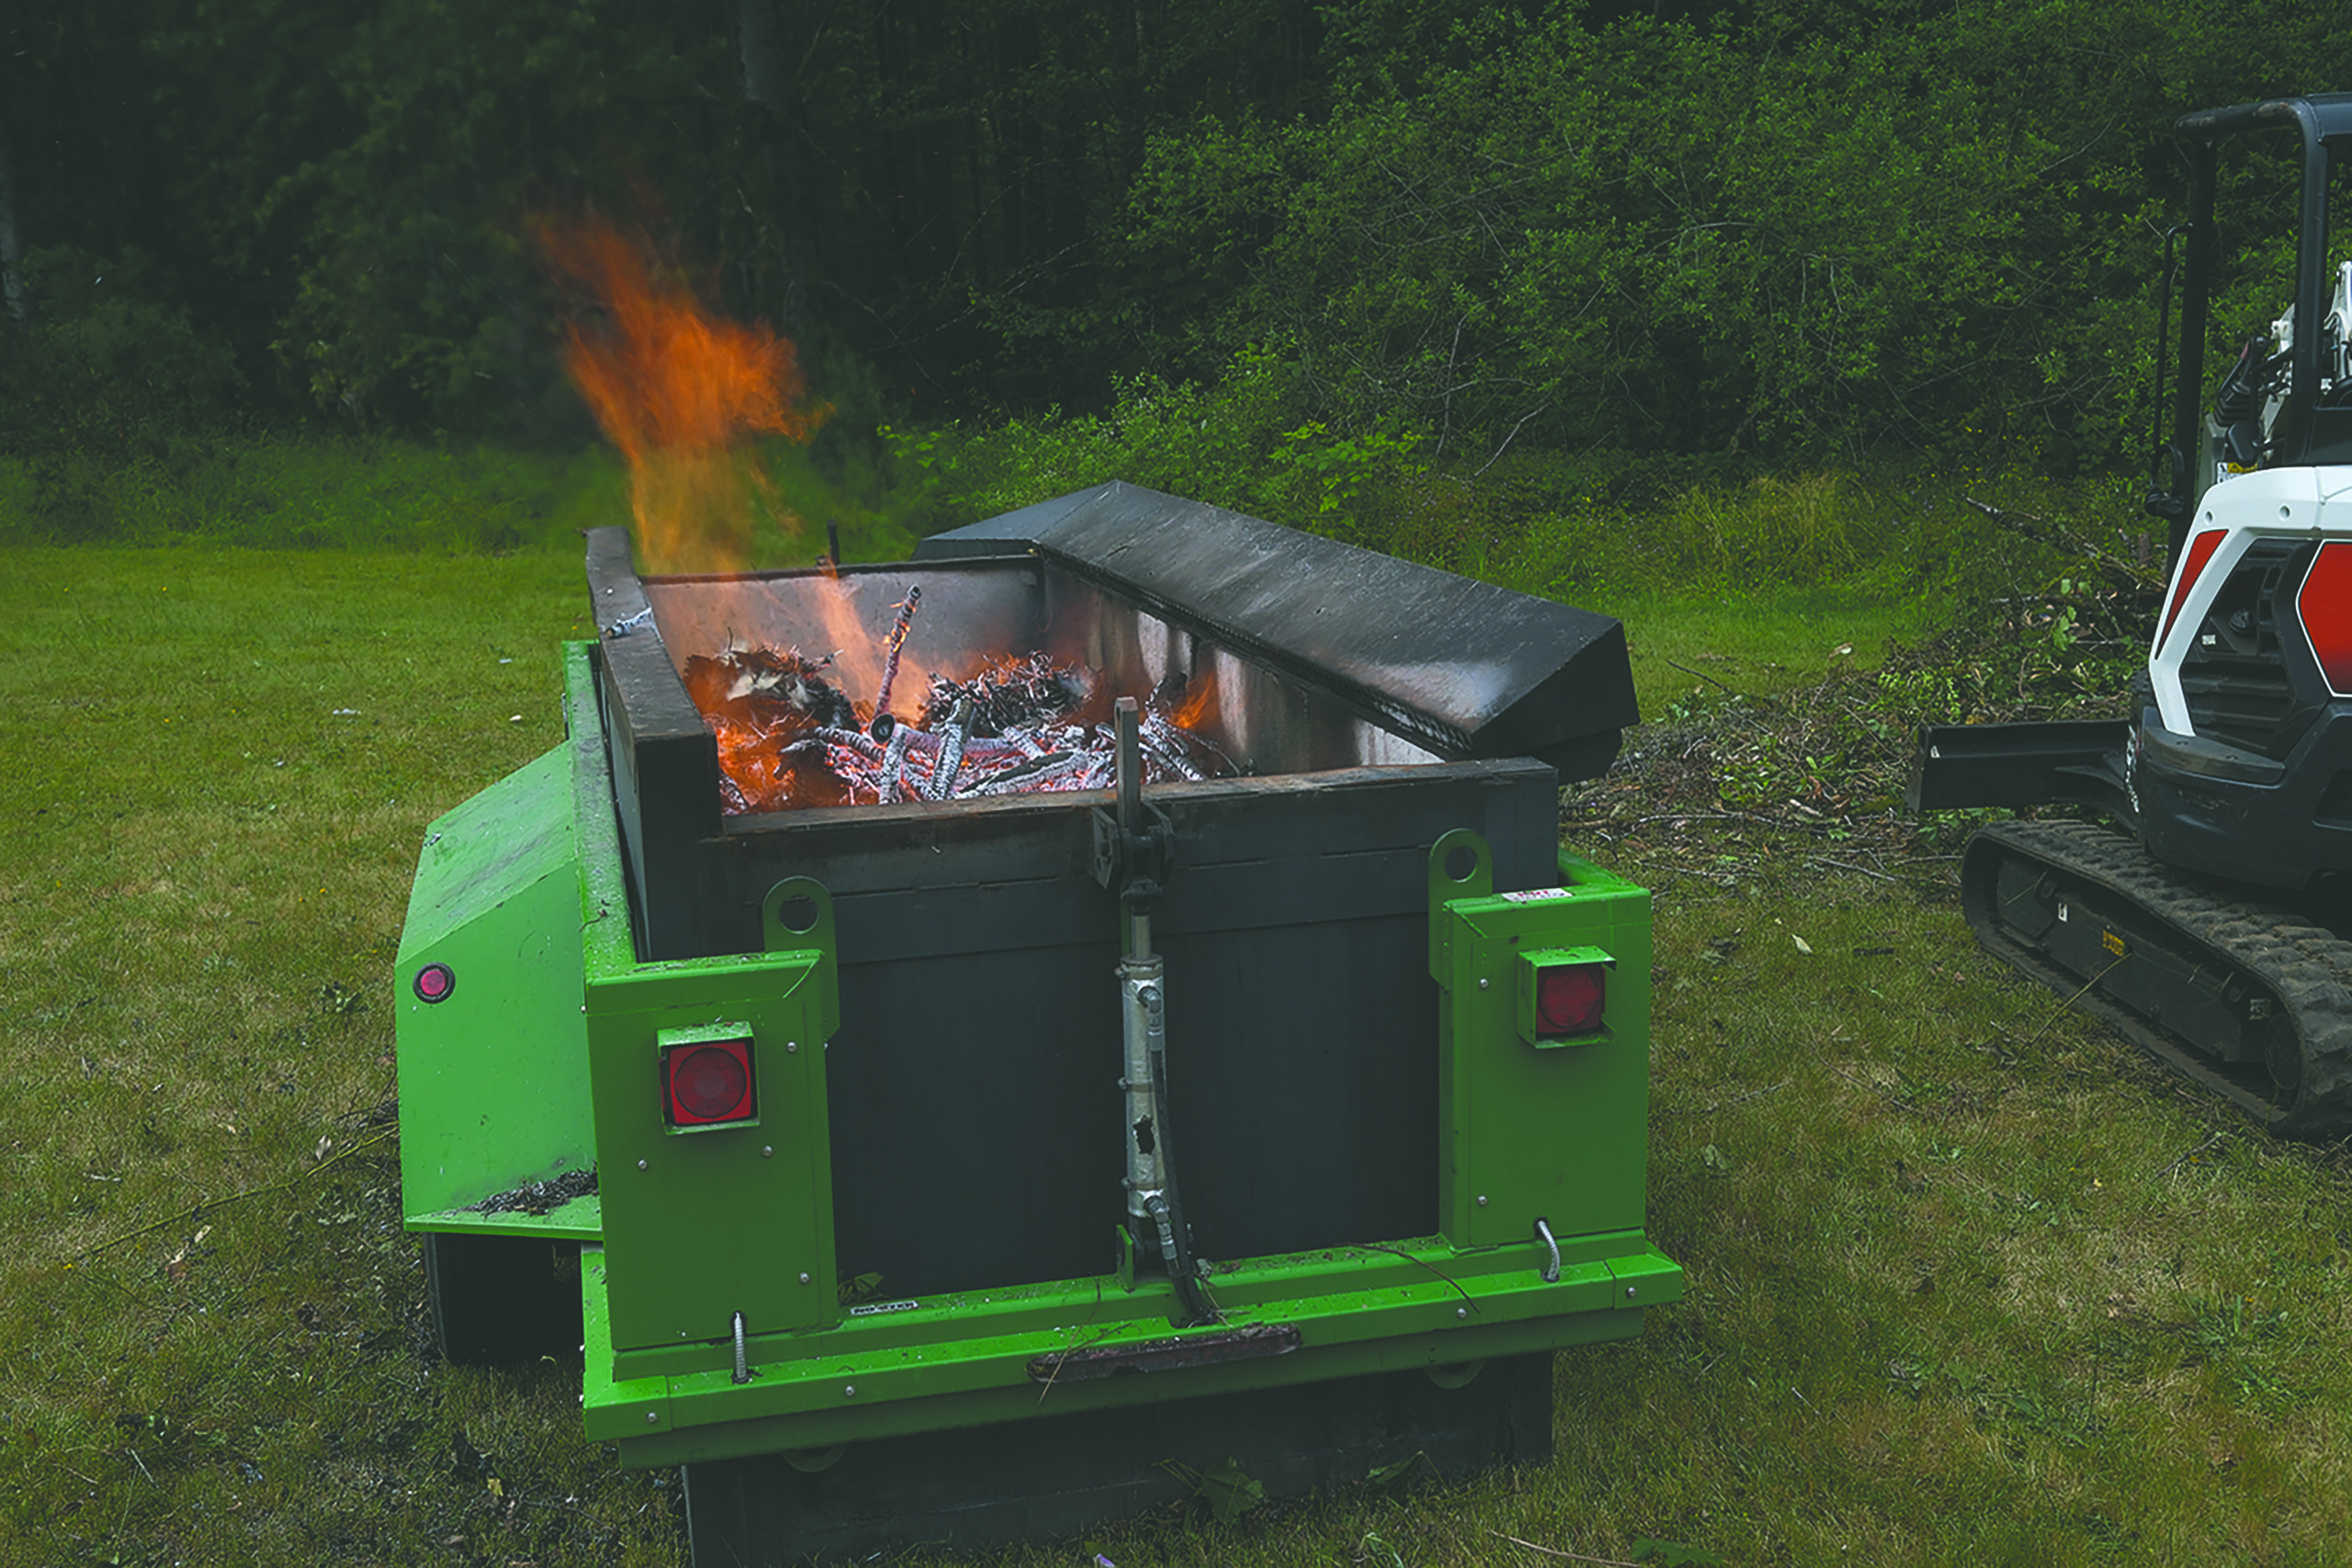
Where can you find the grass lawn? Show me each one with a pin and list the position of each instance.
(1759, 643)
(1971, 1282)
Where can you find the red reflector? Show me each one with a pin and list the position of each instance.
(2324, 606)
(1569, 999)
(434, 982)
(2201, 550)
(708, 1082)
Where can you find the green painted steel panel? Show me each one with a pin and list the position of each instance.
(704, 1223)
(607, 942)
(491, 1088)
(1530, 1133)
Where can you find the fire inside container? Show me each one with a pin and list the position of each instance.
(789, 737)
(866, 1081)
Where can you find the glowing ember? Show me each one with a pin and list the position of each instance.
(788, 737)
(676, 390)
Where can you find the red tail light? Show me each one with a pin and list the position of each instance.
(434, 982)
(2323, 604)
(2201, 550)
(1564, 996)
(1569, 1000)
(707, 1083)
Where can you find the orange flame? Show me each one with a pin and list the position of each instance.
(676, 390)
(1200, 705)
(857, 652)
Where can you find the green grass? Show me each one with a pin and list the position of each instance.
(1759, 644)
(219, 768)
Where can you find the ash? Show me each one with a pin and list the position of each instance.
(539, 1197)
(789, 737)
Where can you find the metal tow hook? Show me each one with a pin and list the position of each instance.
(1551, 1269)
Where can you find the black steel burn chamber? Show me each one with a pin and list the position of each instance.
(1374, 704)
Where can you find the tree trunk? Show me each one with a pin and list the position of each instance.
(761, 32)
(769, 190)
(12, 283)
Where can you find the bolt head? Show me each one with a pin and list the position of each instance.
(767, 1151)
(644, 1165)
(1482, 1199)
(849, 1391)
(1462, 1312)
(652, 1418)
(804, 1278)
(1482, 985)
(1629, 1290)
(792, 1047)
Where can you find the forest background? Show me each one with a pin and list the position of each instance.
(1420, 274)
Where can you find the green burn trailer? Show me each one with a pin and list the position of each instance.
(915, 1281)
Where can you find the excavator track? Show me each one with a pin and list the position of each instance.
(2246, 997)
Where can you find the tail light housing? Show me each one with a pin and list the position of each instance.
(708, 1079)
(2323, 604)
(1563, 997)
(2193, 562)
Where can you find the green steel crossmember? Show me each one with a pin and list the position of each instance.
(966, 1360)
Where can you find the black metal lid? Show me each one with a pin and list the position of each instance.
(1464, 668)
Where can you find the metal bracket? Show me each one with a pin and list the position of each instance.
(1135, 864)
(1134, 847)
(796, 915)
(1462, 865)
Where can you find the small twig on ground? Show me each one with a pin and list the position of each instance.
(1843, 866)
(1570, 1556)
(1703, 675)
(209, 1205)
(2191, 1153)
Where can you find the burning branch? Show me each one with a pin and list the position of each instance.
(895, 646)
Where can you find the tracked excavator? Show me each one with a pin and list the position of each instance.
(2209, 917)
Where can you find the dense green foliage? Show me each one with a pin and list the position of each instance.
(1741, 237)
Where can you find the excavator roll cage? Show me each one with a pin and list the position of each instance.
(2313, 423)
